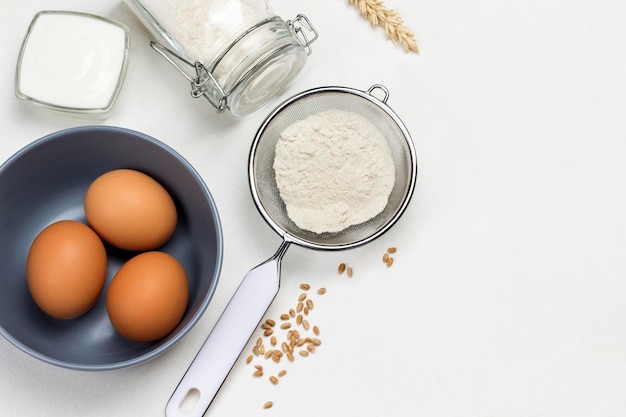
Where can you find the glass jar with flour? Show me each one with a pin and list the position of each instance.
(238, 54)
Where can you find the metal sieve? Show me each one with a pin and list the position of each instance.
(256, 292)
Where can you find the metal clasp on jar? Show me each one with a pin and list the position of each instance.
(199, 80)
(297, 25)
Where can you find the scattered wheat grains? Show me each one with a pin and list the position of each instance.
(293, 336)
(294, 339)
(387, 259)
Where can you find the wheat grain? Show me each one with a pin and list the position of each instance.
(379, 15)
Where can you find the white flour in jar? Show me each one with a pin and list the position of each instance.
(204, 27)
(333, 170)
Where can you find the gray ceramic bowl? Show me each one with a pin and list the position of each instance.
(45, 182)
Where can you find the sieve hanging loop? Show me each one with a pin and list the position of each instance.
(379, 87)
(297, 25)
(199, 82)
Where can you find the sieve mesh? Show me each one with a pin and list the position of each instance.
(262, 177)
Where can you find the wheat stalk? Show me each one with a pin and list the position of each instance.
(378, 14)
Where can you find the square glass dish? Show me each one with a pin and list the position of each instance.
(72, 62)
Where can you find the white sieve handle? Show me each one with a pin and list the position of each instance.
(220, 351)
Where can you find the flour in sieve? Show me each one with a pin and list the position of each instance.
(333, 170)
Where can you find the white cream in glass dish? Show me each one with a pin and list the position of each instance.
(72, 62)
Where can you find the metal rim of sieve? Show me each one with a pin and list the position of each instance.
(262, 178)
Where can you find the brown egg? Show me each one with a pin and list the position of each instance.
(130, 210)
(148, 296)
(66, 269)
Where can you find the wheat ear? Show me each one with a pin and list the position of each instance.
(378, 14)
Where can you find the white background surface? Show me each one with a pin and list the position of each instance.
(508, 294)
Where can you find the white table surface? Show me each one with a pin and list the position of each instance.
(507, 297)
